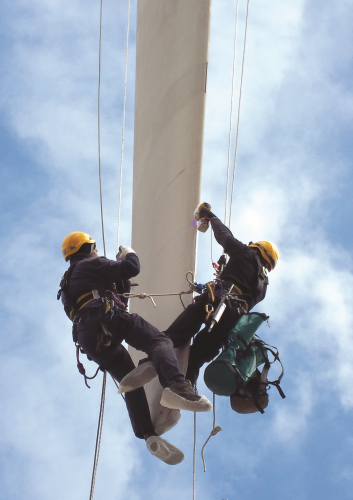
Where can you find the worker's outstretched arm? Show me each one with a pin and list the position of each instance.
(222, 234)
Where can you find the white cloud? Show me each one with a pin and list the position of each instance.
(289, 423)
(296, 94)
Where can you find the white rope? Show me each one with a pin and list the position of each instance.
(99, 123)
(123, 124)
(101, 411)
(144, 295)
(215, 430)
(151, 295)
(99, 437)
(117, 386)
(194, 455)
(231, 111)
(239, 104)
(194, 462)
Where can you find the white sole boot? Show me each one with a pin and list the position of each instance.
(163, 450)
(138, 377)
(172, 400)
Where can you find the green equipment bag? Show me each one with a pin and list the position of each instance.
(234, 372)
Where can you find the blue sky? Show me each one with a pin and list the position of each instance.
(293, 186)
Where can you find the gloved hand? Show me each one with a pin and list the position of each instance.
(123, 251)
(203, 210)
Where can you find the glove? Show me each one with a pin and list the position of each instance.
(123, 251)
(203, 210)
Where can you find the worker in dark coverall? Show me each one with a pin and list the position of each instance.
(100, 329)
(244, 271)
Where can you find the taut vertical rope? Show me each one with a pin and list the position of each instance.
(123, 125)
(101, 411)
(99, 437)
(99, 122)
(194, 462)
(240, 93)
(231, 110)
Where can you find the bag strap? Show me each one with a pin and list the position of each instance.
(65, 279)
(275, 383)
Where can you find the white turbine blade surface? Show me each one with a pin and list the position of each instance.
(171, 72)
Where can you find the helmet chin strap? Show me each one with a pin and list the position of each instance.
(93, 247)
(263, 260)
(86, 254)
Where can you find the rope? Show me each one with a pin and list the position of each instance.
(240, 94)
(101, 411)
(151, 295)
(211, 246)
(194, 455)
(123, 125)
(215, 430)
(81, 368)
(99, 122)
(99, 437)
(182, 303)
(194, 462)
(117, 386)
(231, 111)
(144, 295)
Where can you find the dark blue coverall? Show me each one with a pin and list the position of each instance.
(242, 271)
(99, 273)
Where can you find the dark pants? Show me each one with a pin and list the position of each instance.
(206, 345)
(115, 359)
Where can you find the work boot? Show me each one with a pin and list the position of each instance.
(138, 377)
(163, 450)
(183, 397)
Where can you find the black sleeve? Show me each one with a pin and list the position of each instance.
(115, 271)
(125, 288)
(225, 237)
(130, 266)
(66, 303)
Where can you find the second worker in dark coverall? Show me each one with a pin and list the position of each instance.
(244, 270)
(101, 328)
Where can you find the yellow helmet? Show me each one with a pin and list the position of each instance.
(268, 250)
(73, 242)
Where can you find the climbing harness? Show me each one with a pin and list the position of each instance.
(74, 306)
(228, 297)
(81, 368)
(231, 295)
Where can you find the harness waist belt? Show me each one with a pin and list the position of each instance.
(228, 285)
(81, 302)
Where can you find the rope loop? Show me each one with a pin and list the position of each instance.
(82, 369)
(214, 431)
